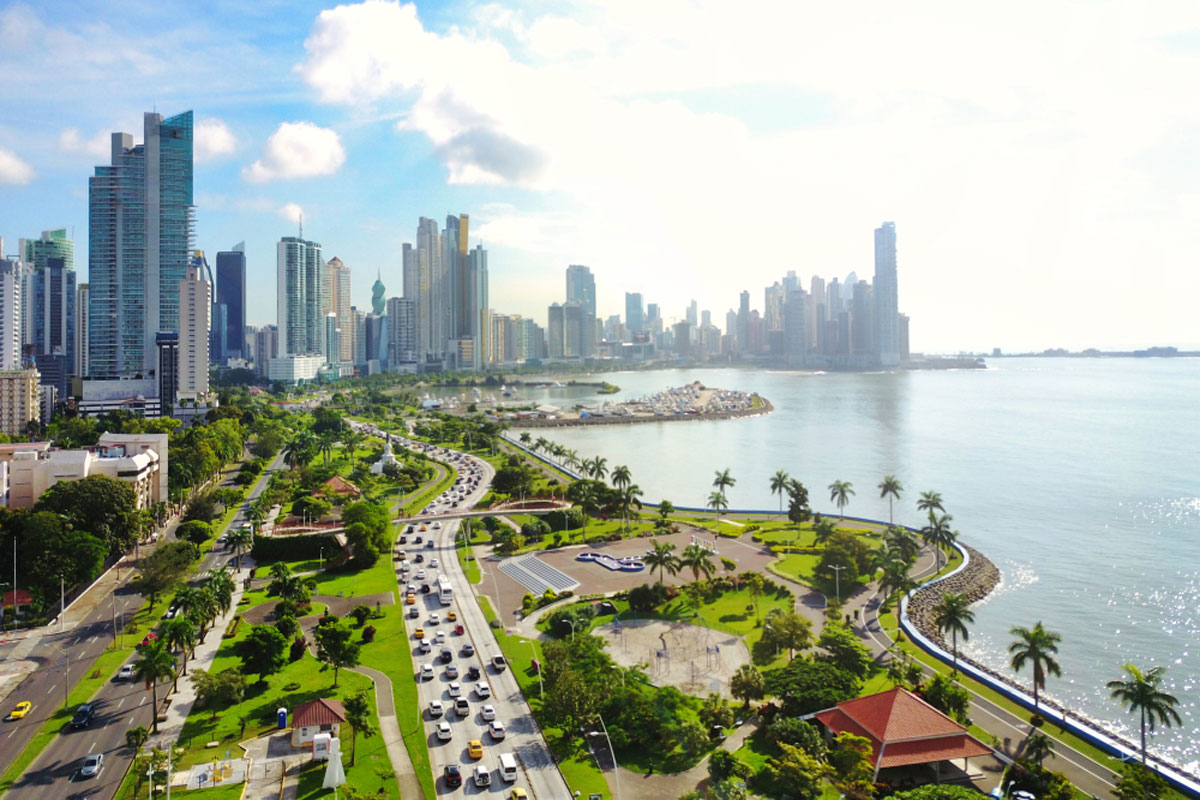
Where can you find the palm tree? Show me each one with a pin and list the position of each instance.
(718, 503)
(890, 488)
(902, 541)
(524, 438)
(586, 495)
(952, 613)
(895, 578)
(779, 486)
(187, 600)
(938, 535)
(840, 492)
(621, 477)
(1038, 648)
(1037, 746)
(665, 509)
(351, 439)
(179, 634)
(662, 557)
(296, 453)
(697, 559)
(629, 498)
(541, 444)
(599, 468)
(239, 540)
(571, 459)
(930, 501)
(155, 663)
(222, 586)
(1140, 692)
(723, 481)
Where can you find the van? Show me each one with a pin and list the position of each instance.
(508, 767)
(482, 776)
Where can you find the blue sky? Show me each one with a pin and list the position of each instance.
(1040, 164)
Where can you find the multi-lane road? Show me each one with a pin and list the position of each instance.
(119, 706)
(537, 773)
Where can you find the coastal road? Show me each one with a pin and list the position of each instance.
(537, 774)
(119, 706)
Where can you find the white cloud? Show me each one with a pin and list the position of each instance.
(689, 143)
(71, 141)
(13, 169)
(214, 139)
(298, 150)
(292, 212)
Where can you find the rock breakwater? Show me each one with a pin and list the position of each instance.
(976, 582)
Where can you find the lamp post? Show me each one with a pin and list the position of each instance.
(837, 580)
(322, 558)
(62, 602)
(541, 688)
(572, 623)
(613, 753)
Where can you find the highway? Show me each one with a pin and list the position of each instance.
(119, 706)
(537, 773)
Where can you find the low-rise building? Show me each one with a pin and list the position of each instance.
(137, 459)
(316, 716)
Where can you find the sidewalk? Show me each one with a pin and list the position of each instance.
(389, 728)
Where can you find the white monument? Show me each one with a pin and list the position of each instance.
(388, 457)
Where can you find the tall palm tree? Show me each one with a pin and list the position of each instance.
(621, 477)
(697, 559)
(823, 530)
(586, 496)
(571, 459)
(723, 481)
(239, 540)
(930, 501)
(938, 534)
(718, 503)
(628, 498)
(298, 451)
(662, 558)
(952, 613)
(839, 493)
(890, 488)
(895, 578)
(280, 570)
(779, 486)
(180, 635)
(1037, 746)
(541, 444)
(599, 468)
(902, 541)
(1037, 647)
(222, 586)
(1141, 692)
(155, 663)
(524, 438)
(187, 600)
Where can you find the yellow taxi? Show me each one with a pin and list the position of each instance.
(420, 634)
(411, 599)
(22, 708)
(475, 748)
(452, 617)
(518, 794)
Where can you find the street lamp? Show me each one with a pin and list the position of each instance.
(613, 753)
(837, 580)
(541, 688)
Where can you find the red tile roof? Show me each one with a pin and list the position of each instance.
(338, 485)
(318, 712)
(902, 729)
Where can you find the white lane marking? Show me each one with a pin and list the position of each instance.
(51, 689)
(93, 747)
(143, 701)
(123, 699)
(130, 721)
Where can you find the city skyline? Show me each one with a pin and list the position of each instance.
(313, 114)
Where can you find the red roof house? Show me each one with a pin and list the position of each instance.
(337, 486)
(316, 716)
(903, 730)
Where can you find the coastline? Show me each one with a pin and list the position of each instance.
(573, 422)
(976, 581)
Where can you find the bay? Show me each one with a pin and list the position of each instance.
(1080, 478)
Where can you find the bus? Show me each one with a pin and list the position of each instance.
(445, 591)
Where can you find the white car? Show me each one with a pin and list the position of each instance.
(433, 563)
(125, 673)
(444, 733)
(420, 574)
(437, 525)
(92, 765)
(435, 618)
(496, 728)
(426, 672)
(454, 689)
(424, 646)
(440, 638)
(483, 690)
(436, 710)
(488, 712)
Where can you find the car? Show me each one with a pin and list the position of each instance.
(412, 588)
(424, 647)
(433, 563)
(436, 709)
(447, 655)
(462, 707)
(518, 794)
(459, 630)
(429, 544)
(444, 733)
(483, 690)
(452, 776)
(420, 633)
(454, 689)
(92, 765)
(20, 710)
(419, 539)
(496, 728)
(426, 672)
(420, 574)
(488, 712)
(414, 612)
(425, 588)
(83, 716)
(498, 663)
(475, 749)
(451, 671)
(440, 638)
(472, 672)
(437, 525)
(148, 638)
(451, 616)
(403, 540)
(468, 649)
(411, 599)
(435, 618)
(419, 558)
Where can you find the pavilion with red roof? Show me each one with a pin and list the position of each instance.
(903, 730)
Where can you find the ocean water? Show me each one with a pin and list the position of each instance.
(1080, 478)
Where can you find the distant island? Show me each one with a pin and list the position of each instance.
(1091, 352)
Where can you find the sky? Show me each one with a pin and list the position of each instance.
(1039, 159)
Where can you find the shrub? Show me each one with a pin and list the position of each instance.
(194, 531)
(361, 614)
(231, 628)
(299, 645)
(287, 626)
(368, 634)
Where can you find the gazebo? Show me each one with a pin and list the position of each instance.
(903, 730)
(337, 486)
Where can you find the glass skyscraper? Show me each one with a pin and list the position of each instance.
(231, 294)
(141, 228)
(299, 297)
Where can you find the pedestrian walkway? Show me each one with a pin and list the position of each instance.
(389, 729)
(274, 768)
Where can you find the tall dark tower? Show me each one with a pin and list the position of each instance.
(231, 293)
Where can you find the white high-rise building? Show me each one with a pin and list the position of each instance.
(11, 279)
(195, 325)
(81, 330)
(336, 290)
(299, 297)
(887, 300)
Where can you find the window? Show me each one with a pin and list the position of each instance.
(326, 728)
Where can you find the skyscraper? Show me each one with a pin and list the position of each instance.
(298, 297)
(81, 330)
(581, 288)
(634, 316)
(741, 337)
(887, 298)
(795, 328)
(692, 314)
(555, 331)
(333, 339)
(140, 232)
(402, 333)
(48, 308)
(479, 304)
(195, 320)
(336, 299)
(266, 347)
(10, 314)
(231, 293)
(432, 333)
